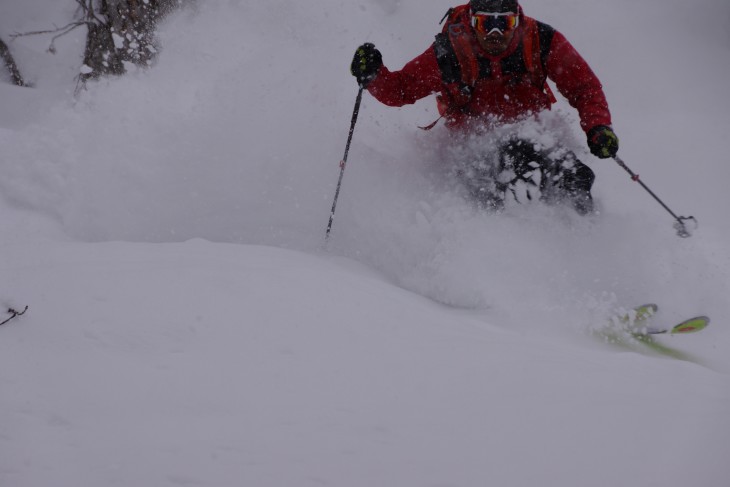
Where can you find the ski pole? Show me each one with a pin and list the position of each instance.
(343, 162)
(679, 225)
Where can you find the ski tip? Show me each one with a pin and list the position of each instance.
(691, 325)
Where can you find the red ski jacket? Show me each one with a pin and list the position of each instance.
(507, 87)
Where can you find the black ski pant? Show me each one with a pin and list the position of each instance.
(554, 175)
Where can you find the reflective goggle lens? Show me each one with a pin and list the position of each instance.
(486, 22)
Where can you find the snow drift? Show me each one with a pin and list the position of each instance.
(186, 326)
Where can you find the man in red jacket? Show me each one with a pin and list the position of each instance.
(489, 67)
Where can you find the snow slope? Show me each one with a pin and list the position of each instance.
(186, 326)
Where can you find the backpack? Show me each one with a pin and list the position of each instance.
(459, 64)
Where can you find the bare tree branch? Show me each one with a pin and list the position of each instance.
(63, 31)
(49, 31)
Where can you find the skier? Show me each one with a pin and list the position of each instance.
(489, 67)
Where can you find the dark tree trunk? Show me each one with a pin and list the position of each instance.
(120, 32)
(10, 64)
(100, 55)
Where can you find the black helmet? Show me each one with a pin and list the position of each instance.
(494, 6)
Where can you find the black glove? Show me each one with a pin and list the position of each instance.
(602, 142)
(366, 63)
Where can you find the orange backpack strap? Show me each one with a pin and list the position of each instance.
(461, 42)
(454, 49)
(457, 62)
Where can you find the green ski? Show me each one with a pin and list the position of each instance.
(635, 329)
(637, 322)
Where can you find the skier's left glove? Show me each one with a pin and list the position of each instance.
(602, 141)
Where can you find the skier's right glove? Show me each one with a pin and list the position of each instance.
(366, 63)
(602, 142)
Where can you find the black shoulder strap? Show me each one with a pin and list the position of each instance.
(545, 34)
(446, 58)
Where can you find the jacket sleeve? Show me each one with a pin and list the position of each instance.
(418, 79)
(576, 81)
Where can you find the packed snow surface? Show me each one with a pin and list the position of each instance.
(188, 326)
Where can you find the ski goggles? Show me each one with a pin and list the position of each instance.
(487, 22)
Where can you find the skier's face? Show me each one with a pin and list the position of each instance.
(495, 31)
(495, 42)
